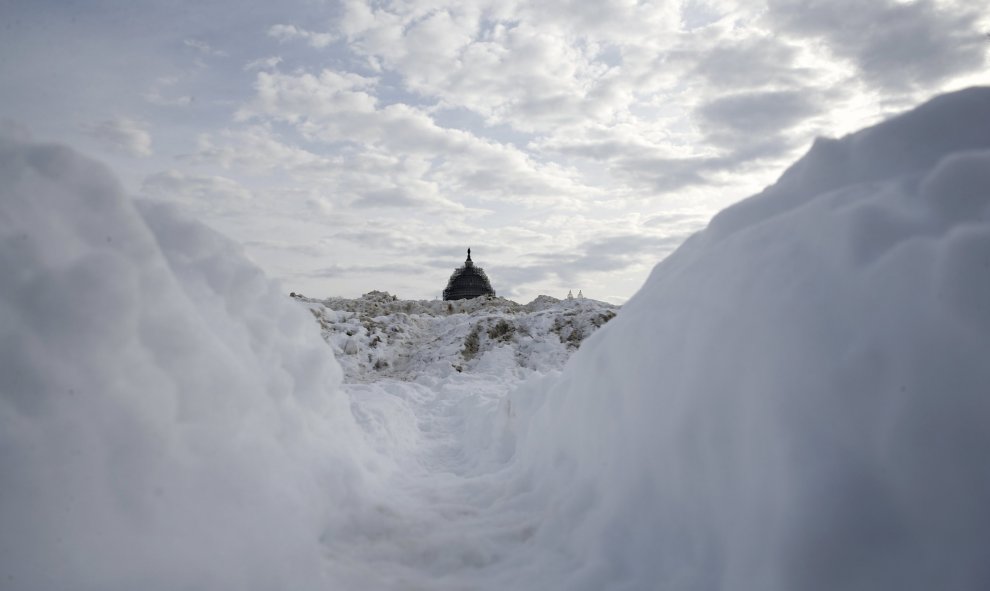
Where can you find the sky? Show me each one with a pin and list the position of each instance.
(351, 145)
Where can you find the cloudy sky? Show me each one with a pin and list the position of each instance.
(352, 145)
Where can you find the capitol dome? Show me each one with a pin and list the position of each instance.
(468, 282)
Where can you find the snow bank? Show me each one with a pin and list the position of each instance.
(378, 336)
(799, 398)
(168, 419)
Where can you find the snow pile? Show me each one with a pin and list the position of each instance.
(168, 419)
(799, 398)
(380, 336)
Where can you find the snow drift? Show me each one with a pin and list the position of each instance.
(168, 419)
(799, 397)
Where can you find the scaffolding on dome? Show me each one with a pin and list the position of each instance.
(468, 282)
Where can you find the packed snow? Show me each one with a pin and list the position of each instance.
(798, 398)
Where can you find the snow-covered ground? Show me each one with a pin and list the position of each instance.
(379, 336)
(429, 384)
(798, 398)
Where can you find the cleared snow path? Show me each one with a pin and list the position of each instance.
(455, 514)
(448, 523)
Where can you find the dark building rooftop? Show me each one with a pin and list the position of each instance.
(468, 282)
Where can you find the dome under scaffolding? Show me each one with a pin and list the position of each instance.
(468, 282)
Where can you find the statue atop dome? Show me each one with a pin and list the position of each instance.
(468, 282)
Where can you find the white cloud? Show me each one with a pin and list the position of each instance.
(568, 71)
(121, 135)
(897, 46)
(156, 98)
(265, 63)
(254, 150)
(203, 47)
(301, 98)
(533, 77)
(336, 107)
(215, 195)
(291, 32)
(161, 93)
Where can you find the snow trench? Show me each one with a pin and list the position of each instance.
(798, 398)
